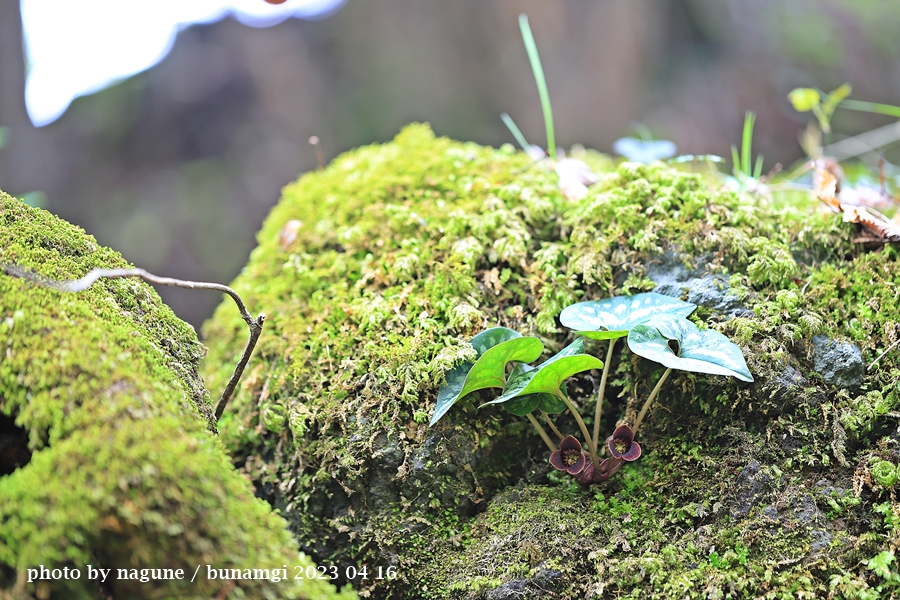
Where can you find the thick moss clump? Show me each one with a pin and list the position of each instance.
(105, 457)
(408, 249)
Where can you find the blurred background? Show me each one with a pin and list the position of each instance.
(177, 165)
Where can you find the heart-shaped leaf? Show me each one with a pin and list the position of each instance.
(678, 344)
(522, 405)
(495, 347)
(548, 377)
(612, 318)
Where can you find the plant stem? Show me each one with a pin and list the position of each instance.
(650, 399)
(552, 426)
(584, 430)
(602, 391)
(872, 107)
(541, 432)
(757, 169)
(535, 60)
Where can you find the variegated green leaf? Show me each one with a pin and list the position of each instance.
(551, 404)
(678, 344)
(522, 405)
(548, 377)
(612, 318)
(494, 348)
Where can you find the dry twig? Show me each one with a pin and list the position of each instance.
(79, 285)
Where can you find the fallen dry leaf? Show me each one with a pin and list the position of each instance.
(856, 205)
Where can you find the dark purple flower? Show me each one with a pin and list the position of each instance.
(569, 457)
(621, 444)
(607, 469)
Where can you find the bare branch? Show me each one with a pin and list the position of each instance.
(79, 285)
(255, 330)
(320, 156)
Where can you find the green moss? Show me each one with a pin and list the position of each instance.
(884, 472)
(123, 473)
(409, 248)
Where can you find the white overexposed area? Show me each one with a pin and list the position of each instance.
(76, 48)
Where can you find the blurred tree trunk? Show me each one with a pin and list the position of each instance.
(31, 154)
(12, 86)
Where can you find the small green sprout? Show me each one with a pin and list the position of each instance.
(574, 175)
(527, 148)
(822, 105)
(746, 175)
(884, 472)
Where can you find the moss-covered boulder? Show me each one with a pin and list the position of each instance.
(105, 454)
(404, 251)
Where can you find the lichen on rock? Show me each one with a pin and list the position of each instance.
(106, 458)
(408, 249)
(839, 363)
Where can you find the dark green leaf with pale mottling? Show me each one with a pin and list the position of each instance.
(550, 404)
(522, 405)
(612, 318)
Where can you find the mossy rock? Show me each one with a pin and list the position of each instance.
(406, 250)
(105, 454)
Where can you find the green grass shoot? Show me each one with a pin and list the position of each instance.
(535, 60)
(747, 142)
(742, 162)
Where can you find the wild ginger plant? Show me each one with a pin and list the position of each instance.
(527, 388)
(611, 319)
(656, 328)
